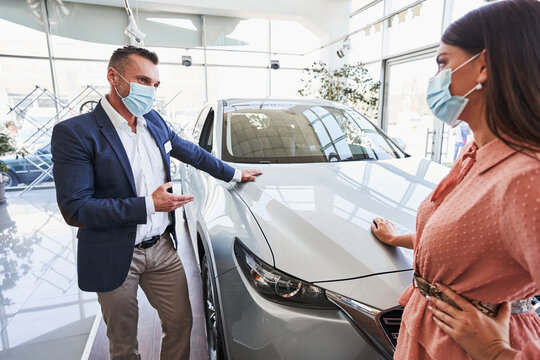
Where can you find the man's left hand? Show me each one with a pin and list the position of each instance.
(249, 175)
(481, 336)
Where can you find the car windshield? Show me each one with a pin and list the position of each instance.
(301, 133)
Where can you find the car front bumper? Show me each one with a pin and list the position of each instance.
(255, 328)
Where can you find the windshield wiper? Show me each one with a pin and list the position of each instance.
(357, 159)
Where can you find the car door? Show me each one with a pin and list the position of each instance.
(39, 163)
(196, 181)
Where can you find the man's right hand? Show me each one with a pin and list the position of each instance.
(165, 201)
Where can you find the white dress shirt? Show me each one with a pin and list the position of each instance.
(147, 167)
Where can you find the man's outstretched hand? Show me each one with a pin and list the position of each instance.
(165, 201)
(249, 175)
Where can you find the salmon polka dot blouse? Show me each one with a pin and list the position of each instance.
(478, 233)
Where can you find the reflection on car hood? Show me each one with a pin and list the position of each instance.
(317, 217)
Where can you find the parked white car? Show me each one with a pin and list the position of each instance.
(289, 265)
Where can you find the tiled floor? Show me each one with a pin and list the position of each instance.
(43, 314)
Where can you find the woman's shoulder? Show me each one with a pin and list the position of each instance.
(520, 178)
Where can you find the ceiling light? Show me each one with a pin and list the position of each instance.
(345, 48)
(132, 31)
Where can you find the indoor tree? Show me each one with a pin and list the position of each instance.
(350, 84)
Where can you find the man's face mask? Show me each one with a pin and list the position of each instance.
(140, 99)
(442, 104)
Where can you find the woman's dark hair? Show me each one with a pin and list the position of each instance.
(120, 56)
(509, 31)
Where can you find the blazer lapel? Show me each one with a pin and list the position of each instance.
(109, 132)
(154, 132)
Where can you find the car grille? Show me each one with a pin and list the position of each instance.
(379, 327)
(390, 321)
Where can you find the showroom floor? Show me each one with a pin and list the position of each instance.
(43, 314)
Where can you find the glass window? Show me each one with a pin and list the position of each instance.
(64, 47)
(235, 33)
(21, 26)
(367, 16)
(21, 40)
(285, 83)
(374, 70)
(19, 79)
(399, 4)
(366, 45)
(181, 93)
(300, 133)
(357, 4)
(297, 61)
(236, 58)
(174, 55)
(229, 82)
(74, 79)
(228, 33)
(407, 114)
(461, 7)
(415, 27)
(453, 140)
(292, 37)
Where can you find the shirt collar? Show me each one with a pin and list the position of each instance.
(491, 154)
(117, 119)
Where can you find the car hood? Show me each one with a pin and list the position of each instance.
(8, 157)
(379, 291)
(317, 217)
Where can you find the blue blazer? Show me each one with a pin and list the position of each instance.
(96, 191)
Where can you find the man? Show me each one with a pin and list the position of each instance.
(111, 169)
(462, 133)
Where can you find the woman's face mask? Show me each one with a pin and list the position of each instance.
(442, 104)
(141, 98)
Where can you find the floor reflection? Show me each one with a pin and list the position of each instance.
(43, 314)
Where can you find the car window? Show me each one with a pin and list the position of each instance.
(44, 150)
(199, 124)
(299, 133)
(207, 133)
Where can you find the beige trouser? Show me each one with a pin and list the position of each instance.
(160, 273)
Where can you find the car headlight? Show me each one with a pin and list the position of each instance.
(277, 286)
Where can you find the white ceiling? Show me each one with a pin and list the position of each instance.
(326, 18)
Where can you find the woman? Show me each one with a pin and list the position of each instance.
(477, 240)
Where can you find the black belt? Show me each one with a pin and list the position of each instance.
(148, 243)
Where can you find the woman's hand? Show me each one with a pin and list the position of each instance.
(386, 232)
(481, 336)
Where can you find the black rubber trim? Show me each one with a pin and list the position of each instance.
(361, 277)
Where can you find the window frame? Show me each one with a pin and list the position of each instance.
(207, 132)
